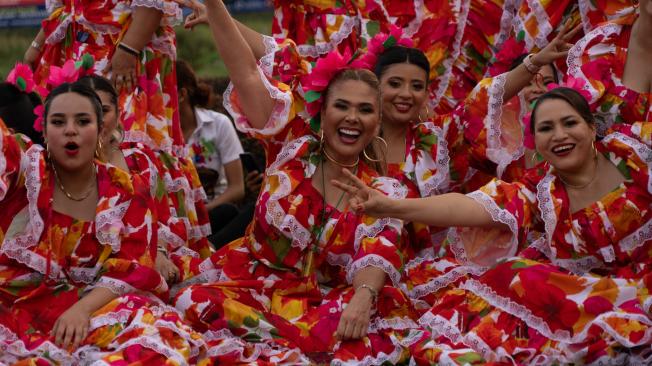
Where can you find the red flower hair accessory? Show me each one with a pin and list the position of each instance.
(381, 42)
(510, 51)
(315, 84)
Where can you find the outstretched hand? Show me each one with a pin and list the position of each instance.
(364, 199)
(198, 15)
(558, 47)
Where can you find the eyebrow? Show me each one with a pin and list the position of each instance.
(83, 114)
(565, 118)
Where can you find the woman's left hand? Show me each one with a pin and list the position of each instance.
(166, 268)
(72, 327)
(123, 69)
(354, 321)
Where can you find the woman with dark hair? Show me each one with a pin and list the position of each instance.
(176, 257)
(580, 293)
(78, 247)
(310, 282)
(214, 148)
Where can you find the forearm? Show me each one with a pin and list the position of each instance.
(515, 81)
(370, 276)
(40, 37)
(232, 194)
(450, 209)
(144, 23)
(253, 39)
(95, 299)
(240, 62)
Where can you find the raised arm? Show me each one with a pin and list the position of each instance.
(450, 209)
(256, 102)
(520, 77)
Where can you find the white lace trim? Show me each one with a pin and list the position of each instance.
(279, 117)
(380, 358)
(169, 8)
(157, 346)
(444, 280)
(426, 164)
(142, 137)
(287, 224)
(643, 151)
(60, 32)
(496, 152)
(119, 317)
(506, 21)
(109, 225)
(17, 246)
(396, 323)
(544, 27)
(3, 169)
(266, 62)
(636, 239)
(373, 260)
(444, 79)
(314, 51)
(523, 313)
(440, 326)
(13, 349)
(574, 59)
(414, 25)
(116, 286)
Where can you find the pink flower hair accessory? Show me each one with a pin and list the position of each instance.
(315, 84)
(381, 42)
(579, 85)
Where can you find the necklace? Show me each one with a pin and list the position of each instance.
(67, 194)
(582, 186)
(331, 159)
(319, 230)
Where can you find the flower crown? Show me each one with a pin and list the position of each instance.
(23, 78)
(381, 42)
(316, 82)
(579, 85)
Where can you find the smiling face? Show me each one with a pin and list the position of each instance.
(539, 84)
(562, 136)
(349, 119)
(404, 92)
(71, 131)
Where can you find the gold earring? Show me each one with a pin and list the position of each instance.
(427, 114)
(364, 151)
(595, 150)
(535, 158)
(98, 150)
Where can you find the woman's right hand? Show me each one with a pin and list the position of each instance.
(166, 268)
(364, 199)
(558, 47)
(31, 56)
(198, 15)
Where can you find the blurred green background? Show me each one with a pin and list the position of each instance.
(194, 46)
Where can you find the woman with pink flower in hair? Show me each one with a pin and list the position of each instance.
(579, 294)
(310, 281)
(77, 248)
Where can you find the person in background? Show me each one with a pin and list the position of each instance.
(214, 145)
(16, 110)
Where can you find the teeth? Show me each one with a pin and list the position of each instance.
(349, 132)
(562, 148)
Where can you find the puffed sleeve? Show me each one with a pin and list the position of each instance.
(512, 204)
(127, 225)
(172, 14)
(377, 241)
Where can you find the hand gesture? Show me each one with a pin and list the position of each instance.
(72, 327)
(354, 321)
(166, 268)
(364, 199)
(558, 47)
(123, 70)
(198, 15)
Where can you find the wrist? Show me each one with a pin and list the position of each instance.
(126, 48)
(532, 64)
(367, 292)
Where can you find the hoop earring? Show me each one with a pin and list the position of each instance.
(364, 151)
(534, 159)
(321, 140)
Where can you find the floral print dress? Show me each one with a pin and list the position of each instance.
(600, 58)
(276, 295)
(49, 261)
(579, 294)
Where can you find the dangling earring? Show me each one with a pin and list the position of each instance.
(99, 153)
(364, 151)
(534, 159)
(321, 140)
(595, 150)
(427, 114)
(47, 151)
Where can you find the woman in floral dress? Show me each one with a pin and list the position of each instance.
(580, 294)
(310, 281)
(76, 258)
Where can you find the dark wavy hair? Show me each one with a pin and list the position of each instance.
(570, 96)
(17, 111)
(200, 94)
(77, 88)
(400, 55)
